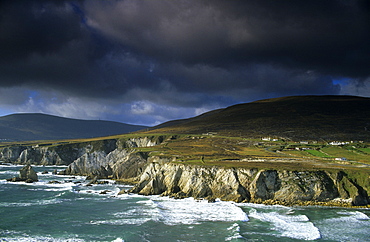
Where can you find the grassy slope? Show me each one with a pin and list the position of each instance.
(295, 118)
(47, 127)
(235, 146)
(252, 153)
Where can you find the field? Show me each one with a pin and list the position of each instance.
(216, 150)
(365, 150)
(252, 153)
(318, 153)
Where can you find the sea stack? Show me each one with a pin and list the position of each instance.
(27, 174)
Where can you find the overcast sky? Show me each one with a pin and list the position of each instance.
(149, 61)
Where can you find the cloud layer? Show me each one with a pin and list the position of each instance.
(147, 62)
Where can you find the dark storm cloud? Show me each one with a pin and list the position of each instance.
(35, 27)
(160, 56)
(40, 42)
(330, 36)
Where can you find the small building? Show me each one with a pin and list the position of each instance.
(210, 133)
(338, 143)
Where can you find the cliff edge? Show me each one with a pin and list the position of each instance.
(133, 159)
(252, 185)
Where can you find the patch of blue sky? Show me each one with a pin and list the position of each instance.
(341, 81)
(4, 112)
(32, 93)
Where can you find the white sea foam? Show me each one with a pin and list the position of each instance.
(49, 166)
(41, 239)
(97, 192)
(7, 172)
(351, 218)
(235, 232)
(182, 211)
(24, 237)
(355, 215)
(337, 227)
(31, 203)
(10, 165)
(118, 240)
(58, 186)
(133, 216)
(292, 226)
(137, 215)
(129, 221)
(190, 211)
(264, 206)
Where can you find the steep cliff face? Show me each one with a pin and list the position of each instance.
(107, 158)
(12, 153)
(119, 162)
(120, 159)
(237, 184)
(54, 155)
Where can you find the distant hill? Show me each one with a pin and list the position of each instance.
(35, 126)
(296, 118)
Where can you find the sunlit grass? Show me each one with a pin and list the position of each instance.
(349, 154)
(318, 153)
(217, 150)
(365, 150)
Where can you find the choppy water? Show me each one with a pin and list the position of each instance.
(71, 211)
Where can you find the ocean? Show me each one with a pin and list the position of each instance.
(63, 208)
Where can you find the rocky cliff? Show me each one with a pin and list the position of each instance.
(153, 175)
(112, 158)
(251, 185)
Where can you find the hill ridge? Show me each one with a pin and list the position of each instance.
(294, 117)
(39, 126)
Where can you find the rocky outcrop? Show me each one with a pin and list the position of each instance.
(250, 185)
(123, 162)
(36, 155)
(27, 174)
(11, 154)
(65, 154)
(153, 175)
(112, 158)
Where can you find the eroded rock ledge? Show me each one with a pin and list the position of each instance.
(152, 175)
(112, 158)
(251, 185)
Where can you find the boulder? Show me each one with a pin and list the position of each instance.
(96, 181)
(28, 173)
(101, 173)
(14, 179)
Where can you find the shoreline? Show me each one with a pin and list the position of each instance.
(133, 182)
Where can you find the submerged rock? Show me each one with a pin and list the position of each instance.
(96, 181)
(105, 192)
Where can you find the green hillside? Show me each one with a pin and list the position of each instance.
(322, 118)
(25, 127)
